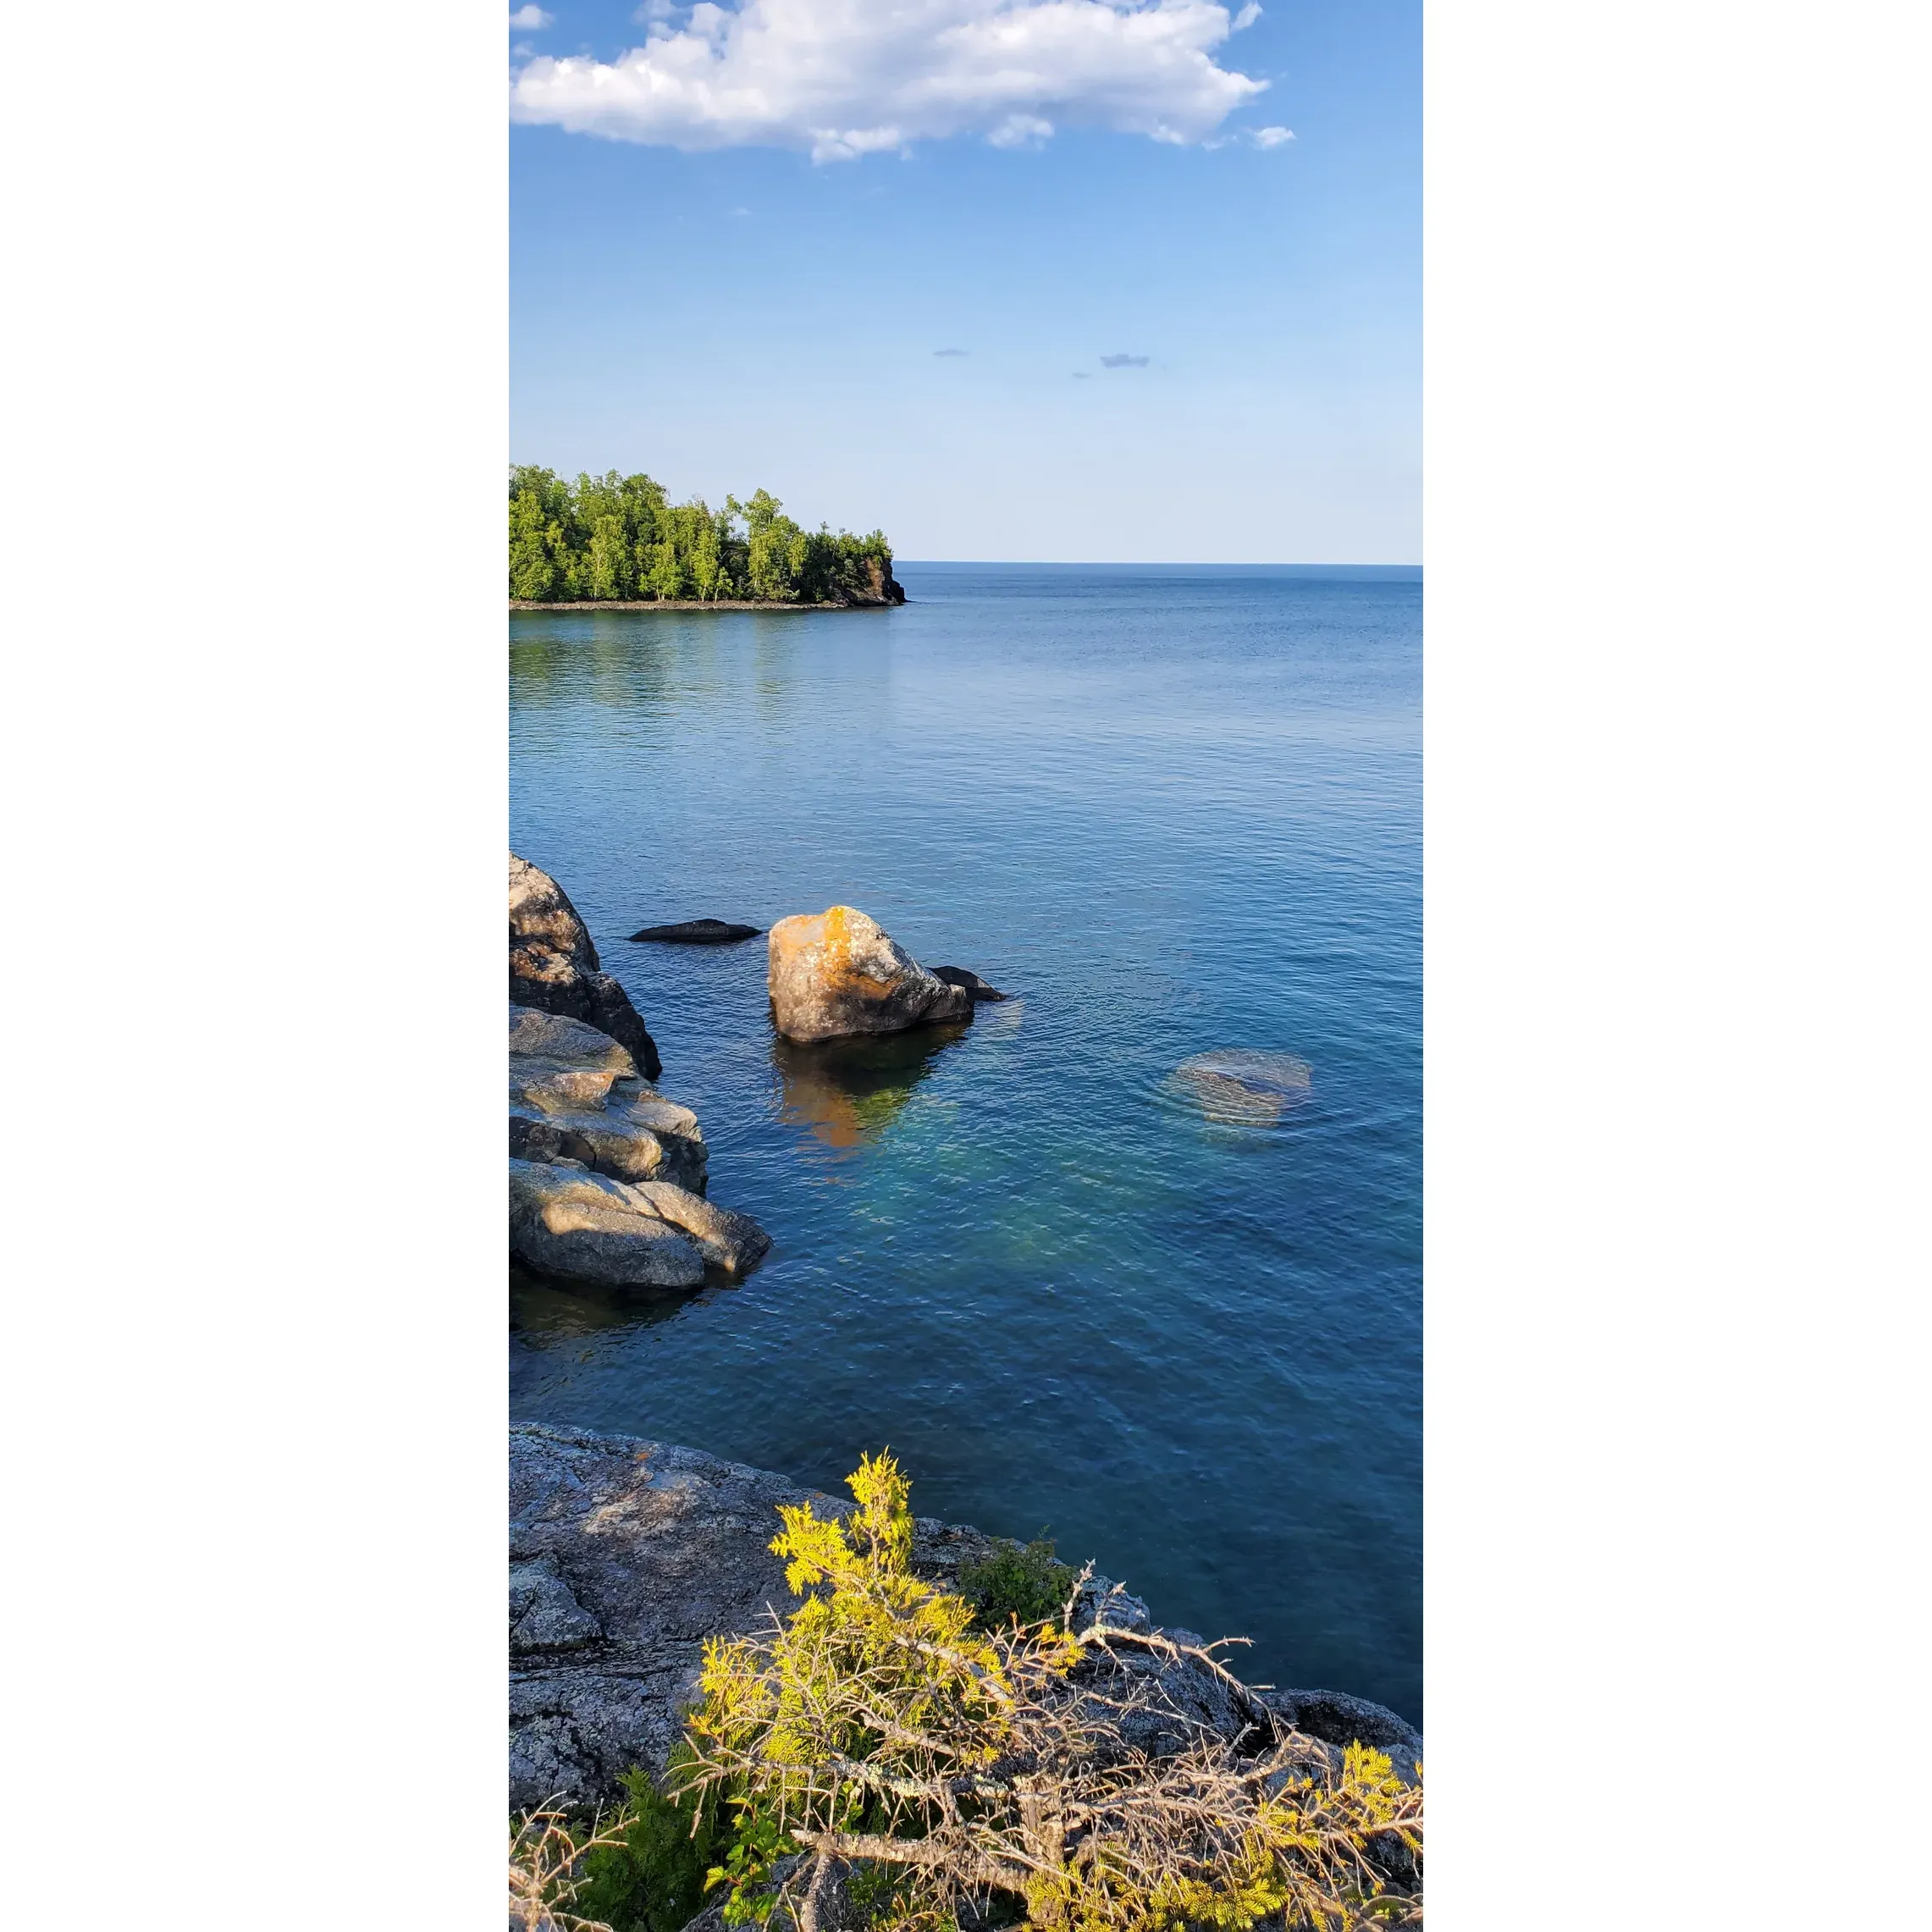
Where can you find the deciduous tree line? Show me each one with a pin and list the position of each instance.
(622, 537)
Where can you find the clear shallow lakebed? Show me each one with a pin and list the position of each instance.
(1173, 812)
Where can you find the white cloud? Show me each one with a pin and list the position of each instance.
(529, 19)
(843, 78)
(1272, 137)
(1247, 17)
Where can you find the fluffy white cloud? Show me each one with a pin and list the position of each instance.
(528, 19)
(1272, 137)
(843, 78)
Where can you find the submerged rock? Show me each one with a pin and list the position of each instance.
(1238, 1086)
(625, 1555)
(699, 932)
(553, 966)
(959, 976)
(838, 972)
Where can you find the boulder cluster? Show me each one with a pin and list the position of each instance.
(607, 1177)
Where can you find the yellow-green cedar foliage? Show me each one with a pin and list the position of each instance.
(878, 1731)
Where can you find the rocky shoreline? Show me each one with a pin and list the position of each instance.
(625, 1555)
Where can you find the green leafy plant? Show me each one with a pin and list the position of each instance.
(1011, 1584)
(647, 1872)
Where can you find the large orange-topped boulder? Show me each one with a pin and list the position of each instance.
(837, 972)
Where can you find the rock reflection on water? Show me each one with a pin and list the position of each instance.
(546, 1312)
(1238, 1086)
(849, 1091)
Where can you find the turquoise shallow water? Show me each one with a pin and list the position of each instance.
(1173, 812)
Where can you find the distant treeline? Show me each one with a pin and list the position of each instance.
(622, 537)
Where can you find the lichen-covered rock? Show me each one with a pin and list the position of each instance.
(663, 1547)
(838, 972)
(554, 967)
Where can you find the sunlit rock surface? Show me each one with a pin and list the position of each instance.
(574, 1095)
(838, 972)
(554, 967)
(565, 1221)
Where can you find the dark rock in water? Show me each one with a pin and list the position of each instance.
(553, 966)
(699, 932)
(1240, 1087)
(838, 972)
(959, 976)
(625, 1555)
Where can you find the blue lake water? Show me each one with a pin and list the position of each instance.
(1170, 811)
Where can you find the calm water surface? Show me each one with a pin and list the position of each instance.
(1174, 813)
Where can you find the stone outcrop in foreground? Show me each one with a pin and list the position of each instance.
(554, 968)
(838, 973)
(625, 1555)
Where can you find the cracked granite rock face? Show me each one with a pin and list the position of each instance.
(625, 1555)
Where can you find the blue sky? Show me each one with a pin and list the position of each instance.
(808, 199)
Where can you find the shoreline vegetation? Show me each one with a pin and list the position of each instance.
(876, 1722)
(620, 542)
(697, 604)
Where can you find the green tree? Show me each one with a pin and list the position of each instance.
(615, 537)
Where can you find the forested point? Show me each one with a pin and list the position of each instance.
(620, 538)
